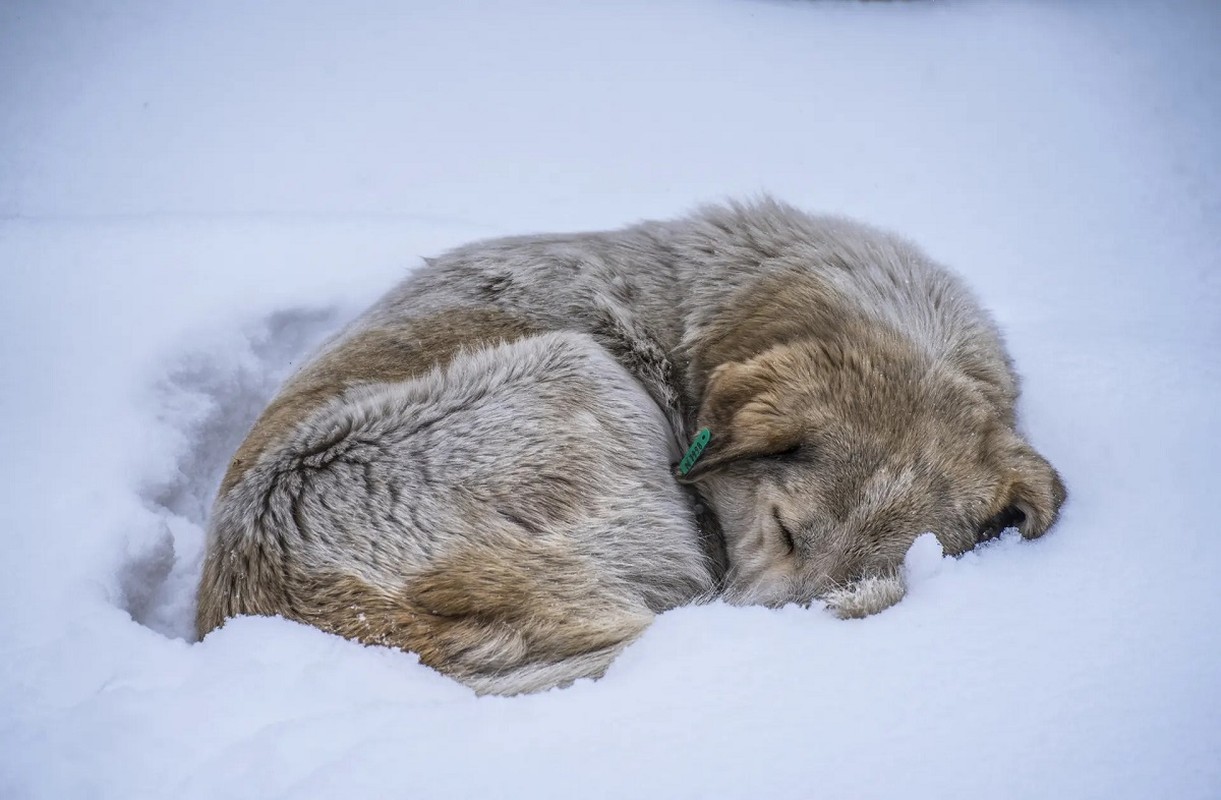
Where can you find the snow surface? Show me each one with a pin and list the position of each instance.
(192, 194)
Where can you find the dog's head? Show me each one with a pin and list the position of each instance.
(828, 460)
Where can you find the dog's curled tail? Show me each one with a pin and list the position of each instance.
(499, 620)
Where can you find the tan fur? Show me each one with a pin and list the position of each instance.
(807, 308)
(881, 440)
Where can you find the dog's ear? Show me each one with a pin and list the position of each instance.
(740, 410)
(1035, 489)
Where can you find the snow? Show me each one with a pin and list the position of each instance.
(192, 195)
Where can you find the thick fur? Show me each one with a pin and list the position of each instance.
(510, 516)
(478, 470)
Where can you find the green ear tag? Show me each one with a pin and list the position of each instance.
(694, 451)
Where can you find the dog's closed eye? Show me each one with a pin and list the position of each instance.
(1011, 517)
(797, 451)
(789, 541)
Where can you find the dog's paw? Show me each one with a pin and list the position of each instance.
(867, 596)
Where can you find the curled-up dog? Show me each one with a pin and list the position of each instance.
(480, 468)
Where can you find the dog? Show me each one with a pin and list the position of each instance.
(481, 468)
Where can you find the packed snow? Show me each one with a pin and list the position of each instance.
(192, 195)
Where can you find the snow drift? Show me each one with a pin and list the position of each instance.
(192, 196)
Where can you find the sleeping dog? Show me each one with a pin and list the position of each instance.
(484, 468)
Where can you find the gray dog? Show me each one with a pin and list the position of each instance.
(480, 469)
